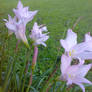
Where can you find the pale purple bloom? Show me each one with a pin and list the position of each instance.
(11, 24)
(80, 51)
(74, 74)
(16, 27)
(37, 36)
(22, 13)
(88, 37)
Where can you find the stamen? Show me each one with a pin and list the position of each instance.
(70, 53)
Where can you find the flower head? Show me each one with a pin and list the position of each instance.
(20, 33)
(80, 51)
(11, 24)
(74, 73)
(18, 28)
(37, 36)
(23, 13)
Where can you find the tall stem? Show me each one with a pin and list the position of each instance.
(24, 70)
(12, 66)
(33, 66)
(7, 78)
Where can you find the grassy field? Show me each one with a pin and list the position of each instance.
(58, 15)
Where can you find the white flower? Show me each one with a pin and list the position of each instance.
(79, 51)
(11, 24)
(23, 14)
(37, 36)
(74, 73)
(18, 28)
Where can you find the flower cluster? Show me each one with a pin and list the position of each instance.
(72, 73)
(17, 25)
(81, 51)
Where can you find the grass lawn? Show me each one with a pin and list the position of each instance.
(58, 15)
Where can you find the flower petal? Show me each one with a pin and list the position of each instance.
(81, 86)
(83, 46)
(65, 63)
(70, 41)
(78, 70)
(82, 50)
(83, 69)
(64, 44)
(20, 5)
(69, 81)
(30, 16)
(11, 24)
(86, 55)
(82, 80)
(20, 33)
(87, 37)
(42, 40)
(44, 28)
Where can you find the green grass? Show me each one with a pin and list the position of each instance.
(58, 15)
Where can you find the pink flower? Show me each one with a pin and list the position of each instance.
(18, 28)
(80, 51)
(23, 13)
(74, 73)
(37, 36)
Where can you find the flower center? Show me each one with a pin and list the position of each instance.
(71, 76)
(71, 52)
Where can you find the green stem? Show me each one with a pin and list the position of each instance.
(13, 76)
(24, 83)
(30, 82)
(25, 66)
(6, 80)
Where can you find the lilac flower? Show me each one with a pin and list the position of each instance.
(80, 51)
(11, 24)
(37, 36)
(23, 13)
(74, 73)
(18, 28)
(88, 37)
